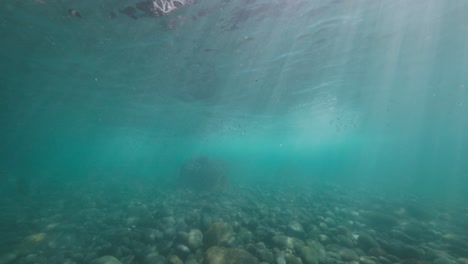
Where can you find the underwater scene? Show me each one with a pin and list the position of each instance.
(234, 132)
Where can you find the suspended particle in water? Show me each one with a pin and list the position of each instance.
(74, 12)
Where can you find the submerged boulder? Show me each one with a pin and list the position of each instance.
(204, 174)
(218, 233)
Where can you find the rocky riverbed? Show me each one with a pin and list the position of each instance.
(111, 223)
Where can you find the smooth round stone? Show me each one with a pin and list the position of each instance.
(195, 239)
(152, 235)
(8, 258)
(348, 254)
(342, 230)
(376, 252)
(155, 258)
(323, 238)
(408, 251)
(31, 258)
(217, 234)
(287, 242)
(260, 245)
(365, 260)
(280, 260)
(221, 255)
(329, 221)
(312, 254)
(345, 241)
(168, 221)
(265, 255)
(444, 261)
(182, 250)
(291, 259)
(175, 260)
(333, 256)
(295, 228)
(170, 233)
(106, 260)
(366, 242)
(323, 226)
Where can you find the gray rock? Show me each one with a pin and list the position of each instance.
(218, 233)
(403, 237)
(182, 250)
(313, 253)
(366, 260)
(31, 258)
(333, 256)
(366, 242)
(280, 260)
(408, 251)
(245, 235)
(8, 258)
(345, 241)
(309, 255)
(155, 258)
(323, 226)
(106, 260)
(285, 242)
(195, 239)
(295, 229)
(175, 260)
(265, 255)
(127, 259)
(170, 233)
(444, 261)
(348, 254)
(291, 259)
(221, 255)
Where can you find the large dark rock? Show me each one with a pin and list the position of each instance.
(219, 233)
(380, 220)
(366, 242)
(204, 174)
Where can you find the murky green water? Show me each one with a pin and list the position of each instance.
(363, 93)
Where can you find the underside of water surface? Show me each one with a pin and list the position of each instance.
(354, 111)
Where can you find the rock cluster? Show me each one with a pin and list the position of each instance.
(267, 224)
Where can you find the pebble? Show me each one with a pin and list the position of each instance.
(291, 259)
(175, 260)
(313, 253)
(31, 258)
(219, 233)
(106, 260)
(182, 250)
(285, 242)
(347, 254)
(8, 258)
(155, 258)
(295, 229)
(281, 260)
(366, 242)
(221, 255)
(265, 255)
(444, 261)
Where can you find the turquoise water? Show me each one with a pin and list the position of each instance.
(364, 94)
(363, 91)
